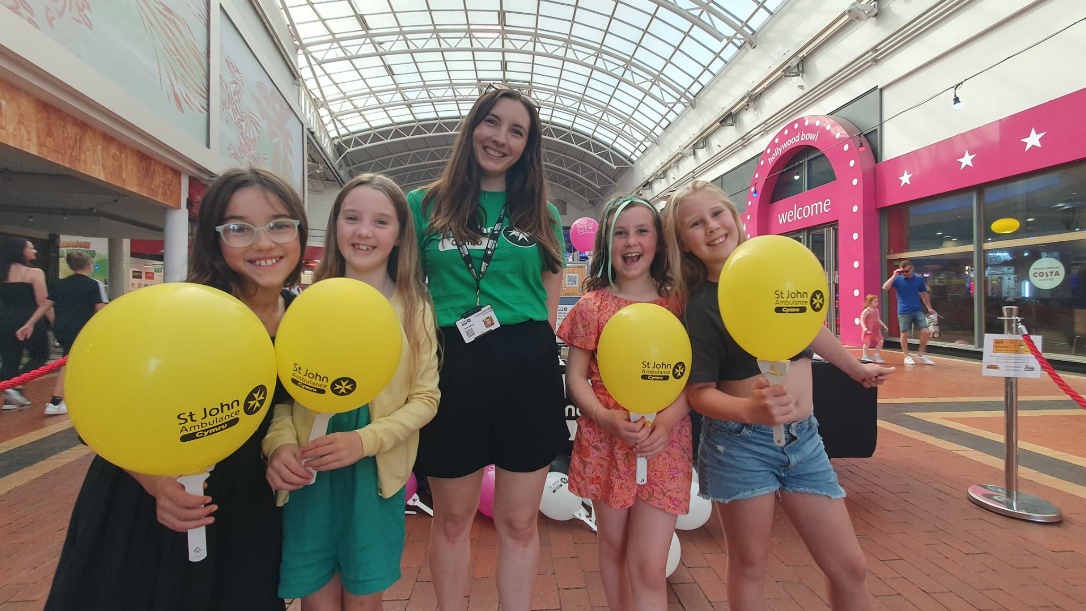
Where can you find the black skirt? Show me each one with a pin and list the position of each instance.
(117, 557)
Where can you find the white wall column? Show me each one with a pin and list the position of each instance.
(120, 255)
(175, 242)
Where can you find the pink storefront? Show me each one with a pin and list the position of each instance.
(938, 206)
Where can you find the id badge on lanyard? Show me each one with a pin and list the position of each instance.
(481, 319)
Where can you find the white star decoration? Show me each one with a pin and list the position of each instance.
(905, 178)
(967, 160)
(1033, 139)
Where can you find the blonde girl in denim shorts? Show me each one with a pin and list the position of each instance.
(739, 466)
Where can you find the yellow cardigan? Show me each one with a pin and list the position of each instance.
(396, 414)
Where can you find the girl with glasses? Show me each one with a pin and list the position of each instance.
(490, 245)
(127, 545)
(344, 531)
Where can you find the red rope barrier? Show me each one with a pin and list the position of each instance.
(33, 375)
(1052, 372)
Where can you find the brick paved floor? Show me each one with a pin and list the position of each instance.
(928, 547)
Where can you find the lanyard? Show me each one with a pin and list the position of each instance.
(488, 254)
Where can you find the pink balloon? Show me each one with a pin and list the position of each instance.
(486, 492)
(411, 488)
(582, 233)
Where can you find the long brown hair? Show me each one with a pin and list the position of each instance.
(452, 201)
(404, 266)
(601, 272)
(692, 271)
(206, 263)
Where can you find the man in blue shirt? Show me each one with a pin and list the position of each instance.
(911, 291)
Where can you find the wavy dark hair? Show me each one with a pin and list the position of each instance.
(404, 265)
(206, 263)
(602, 270)
(11, 252)
(453, 200)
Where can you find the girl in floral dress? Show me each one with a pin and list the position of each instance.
(635, 522)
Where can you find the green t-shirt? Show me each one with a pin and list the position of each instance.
(512, 284)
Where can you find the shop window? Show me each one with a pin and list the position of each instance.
(1044, 204)
(950, 279)
(819, 171)
(943, 223)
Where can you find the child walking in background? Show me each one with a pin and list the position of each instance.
(872, 325)
(344, 534)
(635, 522)
(739, 466)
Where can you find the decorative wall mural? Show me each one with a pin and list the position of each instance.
(157, 52)
(256, 125)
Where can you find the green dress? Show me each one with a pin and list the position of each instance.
(340, 524)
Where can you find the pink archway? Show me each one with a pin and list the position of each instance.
(848, 201)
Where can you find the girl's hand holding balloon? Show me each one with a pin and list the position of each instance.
(175, 508)
(770, 404)
(617, 423)
(333, 451)
(659, 435)
(285, 468)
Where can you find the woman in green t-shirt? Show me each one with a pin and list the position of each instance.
(489, 245)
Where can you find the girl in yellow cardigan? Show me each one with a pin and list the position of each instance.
(344, 534)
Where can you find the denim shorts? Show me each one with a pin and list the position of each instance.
(740, 461)
(905, 321)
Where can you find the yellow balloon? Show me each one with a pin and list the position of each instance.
(170, 379)
(1005, 225)
(773, 297)
(338, 345)
(644, 354)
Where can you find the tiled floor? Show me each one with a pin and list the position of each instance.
(928, 546)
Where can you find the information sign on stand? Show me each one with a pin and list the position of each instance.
(1007, 356)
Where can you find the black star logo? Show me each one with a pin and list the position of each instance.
(679, 370)
(341, 387)
(254, 402)
(818, 301)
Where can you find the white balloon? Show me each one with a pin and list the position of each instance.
(558, 503)
(700, 510)
(673, 554)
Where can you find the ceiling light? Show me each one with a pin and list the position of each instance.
(957, 102)
(862, 11)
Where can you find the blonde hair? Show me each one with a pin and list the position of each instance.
(691, 271)
(404, 266)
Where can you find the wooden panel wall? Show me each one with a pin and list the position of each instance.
(31, 125)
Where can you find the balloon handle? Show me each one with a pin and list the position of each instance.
(587, 515)
(194, 484)
(320, 429)
(774, 372)
(415, 501)
(642, 462)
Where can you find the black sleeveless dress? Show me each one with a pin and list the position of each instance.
(118, 557)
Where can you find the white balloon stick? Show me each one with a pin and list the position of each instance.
(320, 429)
(774, 372)
(642, 462)
(194, 484)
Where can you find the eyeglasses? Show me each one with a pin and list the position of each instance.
(240, 235)
(504, 87)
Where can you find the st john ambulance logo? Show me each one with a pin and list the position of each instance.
(341, 387)
(255, 399)
(818, 301)
(679, 370)
(517, 237)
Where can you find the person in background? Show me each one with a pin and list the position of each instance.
(24, 305)
(127, 543)
(75, 299)
(872, 325)
(490, 244)
(343, 532)
(911, 291)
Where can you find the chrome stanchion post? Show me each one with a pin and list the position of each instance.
(1007, 500)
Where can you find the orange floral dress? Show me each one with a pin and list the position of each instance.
(603, 467)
